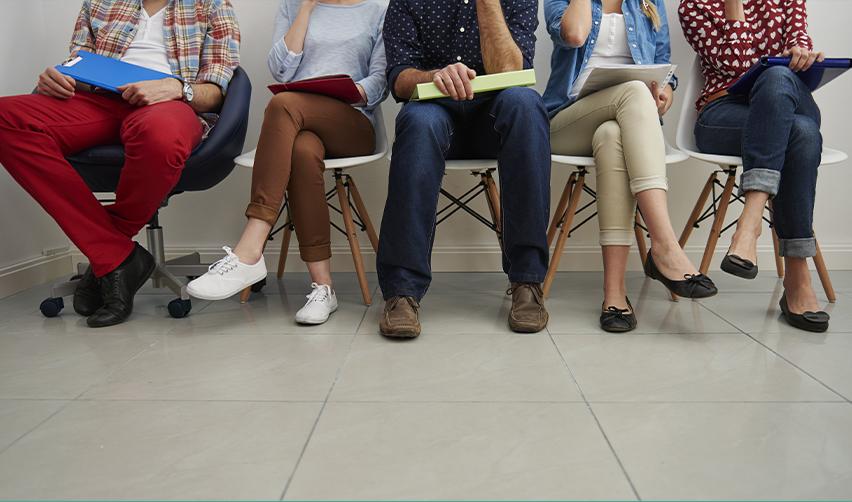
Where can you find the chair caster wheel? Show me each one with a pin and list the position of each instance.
(52, 307)
(179, 309)
(258, 286)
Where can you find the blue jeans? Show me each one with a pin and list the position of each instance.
(776, 131)
(510, 126)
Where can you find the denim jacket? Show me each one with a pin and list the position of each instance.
(648, 46)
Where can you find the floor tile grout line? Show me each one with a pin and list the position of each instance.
(783, 358)
(36, 426)
(597, 421)
(298, 462)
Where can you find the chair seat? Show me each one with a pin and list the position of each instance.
(247, 160)
(673, 156)
(471, 164)
(829, 157)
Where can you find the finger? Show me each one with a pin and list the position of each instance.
(448, 85)
(55, 87)
(471, 73)
(820, 57)
(810, 61)
(59, 78)
(439, 83)
(455, 85)
(468, 87)
(796, 62)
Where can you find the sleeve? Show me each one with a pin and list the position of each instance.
(522, 23)
(663, 54)
(282, 62)
(796, 25)
(220, 55)
(83, 37)
(402, 44)
(723, 43)
(553, 12)
(375, 84)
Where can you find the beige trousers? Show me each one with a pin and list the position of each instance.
(620, 126)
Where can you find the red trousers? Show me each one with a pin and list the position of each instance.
(37, 132)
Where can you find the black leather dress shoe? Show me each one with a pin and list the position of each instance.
(120, 286)
(693, 286)
(87, 296)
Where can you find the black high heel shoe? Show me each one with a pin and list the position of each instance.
(815, 322)
(693, 286)
(616, 320)
(740, 267)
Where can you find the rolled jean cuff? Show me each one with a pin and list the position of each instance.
(313, 254)
(526, 278)
(616, 237)
(760, 180)
(797, 248)
(638, 185)
(266, 214)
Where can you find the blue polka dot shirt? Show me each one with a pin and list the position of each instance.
(431, 34)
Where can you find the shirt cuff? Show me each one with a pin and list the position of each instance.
(285, 58)
(393, 74)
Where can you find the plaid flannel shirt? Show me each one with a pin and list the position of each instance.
(202, 36)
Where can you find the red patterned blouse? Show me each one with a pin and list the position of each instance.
(727, 48)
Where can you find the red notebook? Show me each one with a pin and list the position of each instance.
(340, 87)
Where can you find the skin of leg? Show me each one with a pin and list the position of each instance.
(615, 267)
(250, 247)
(749, 226)
(320, 272)
(670, 258)
(798, 286)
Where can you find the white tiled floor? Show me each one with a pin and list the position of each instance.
(716, 399)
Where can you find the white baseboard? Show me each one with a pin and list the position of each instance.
(24, 275)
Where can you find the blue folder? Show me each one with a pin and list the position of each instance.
(106, 73)
(815, 77)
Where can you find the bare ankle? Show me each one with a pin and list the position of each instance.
(249, 257)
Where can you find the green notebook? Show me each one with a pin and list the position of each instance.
(483, 83)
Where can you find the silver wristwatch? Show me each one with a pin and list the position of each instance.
(188, 93)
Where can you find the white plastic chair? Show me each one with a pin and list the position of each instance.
(728, 166)
(352, 208)
(567, 210)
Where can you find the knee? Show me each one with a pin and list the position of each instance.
(419, 118)
(308, 153)
(524, 100)
(607, 135)
(283, 104)
(806, 138)
(775, 80)
(157, 141)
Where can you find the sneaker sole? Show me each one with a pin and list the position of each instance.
(202, 296)
(311, 322)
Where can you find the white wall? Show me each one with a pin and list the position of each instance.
(208, 220)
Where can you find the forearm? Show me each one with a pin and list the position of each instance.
(407, 81)
(295, 37)
(500, 53)
(576, 23)
(207, 98)
(734, 10)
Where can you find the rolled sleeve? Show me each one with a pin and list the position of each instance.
(401, 41)
(82, 37)
(522, 24)
(553, 12)
(375, 84)
(283, 62)
(220, 55)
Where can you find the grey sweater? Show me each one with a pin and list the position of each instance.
(340, 39)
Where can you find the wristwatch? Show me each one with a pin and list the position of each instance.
(188, 93)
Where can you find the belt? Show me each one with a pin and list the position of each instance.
(714, 97)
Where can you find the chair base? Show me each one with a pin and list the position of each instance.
(165, 276)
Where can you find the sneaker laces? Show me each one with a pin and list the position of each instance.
(226, 264)
(320, 293)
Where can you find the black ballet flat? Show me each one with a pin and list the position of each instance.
(693, 286)
(616, 320)
(740, 267)
(815, 322)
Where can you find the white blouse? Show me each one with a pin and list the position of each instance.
(609, 48)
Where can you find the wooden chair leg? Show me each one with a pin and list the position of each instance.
(564, 232)
(245, 295)
(362, 210)
(352, 235)
(779, 262)
(824, 278)
(697, 210)
(559, 215)
(285, 247)
(640, 238)
(493, 198)
(718, 221)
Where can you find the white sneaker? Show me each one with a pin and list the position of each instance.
(226, 277)
(322, 302)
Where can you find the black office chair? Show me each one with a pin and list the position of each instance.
(210, 163)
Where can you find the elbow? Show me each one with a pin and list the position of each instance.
(574, 37)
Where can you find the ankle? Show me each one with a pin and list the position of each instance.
(248, 256)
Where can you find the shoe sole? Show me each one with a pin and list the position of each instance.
(404, 335)
(216, 298)
(311, 322)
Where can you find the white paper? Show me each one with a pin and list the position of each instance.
(597, 78)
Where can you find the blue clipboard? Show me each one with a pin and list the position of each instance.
(815, 77)
(106, 73)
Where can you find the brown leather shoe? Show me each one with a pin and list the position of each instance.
(400, 318)
(528, 314)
